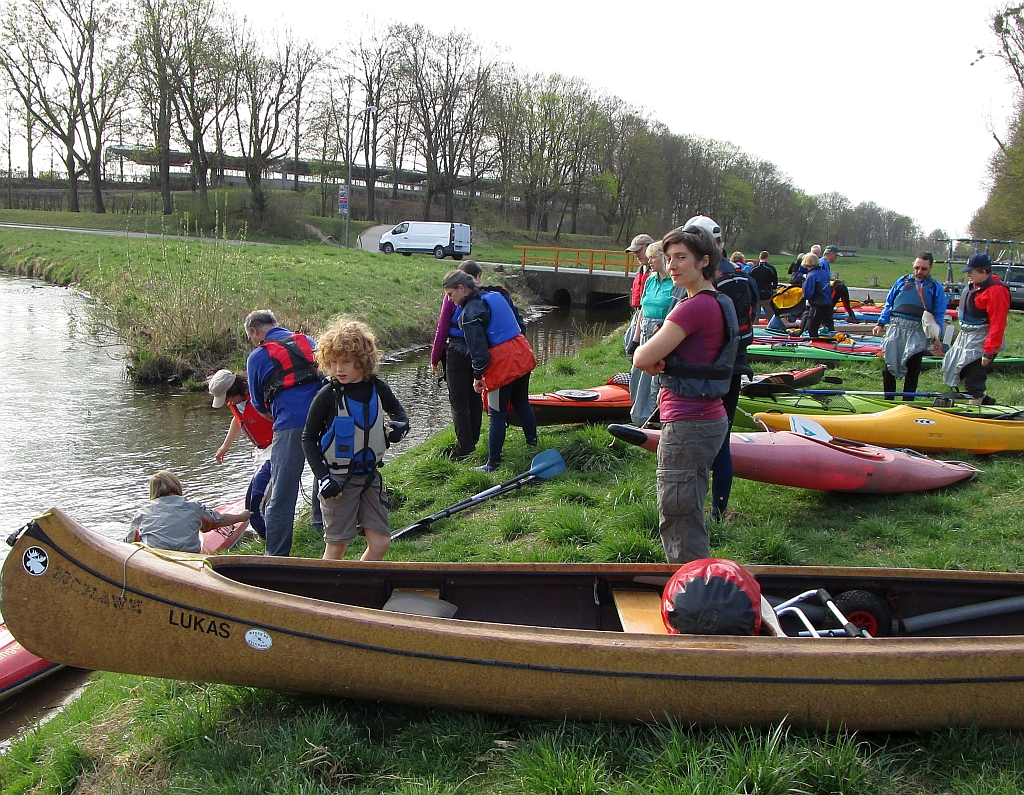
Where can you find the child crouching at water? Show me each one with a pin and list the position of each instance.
(345, 438)
(170, 521)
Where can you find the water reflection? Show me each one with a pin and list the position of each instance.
(81, 436)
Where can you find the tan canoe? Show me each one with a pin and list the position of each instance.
(528, 639)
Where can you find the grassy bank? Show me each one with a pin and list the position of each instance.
(132, 734)
(227, 214)
(179, 305)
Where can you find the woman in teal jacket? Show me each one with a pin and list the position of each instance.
(654, 303)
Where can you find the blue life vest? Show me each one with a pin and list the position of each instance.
(706, 381)
(908, 302)
(454, 330)
(503, 325)
(356, 441)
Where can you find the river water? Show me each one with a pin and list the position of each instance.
(79, 435)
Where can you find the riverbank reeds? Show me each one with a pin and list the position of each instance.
(178, 304)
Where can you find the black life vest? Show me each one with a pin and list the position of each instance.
(292, 359)
(706, 381)
(970, 313)
(745, 295)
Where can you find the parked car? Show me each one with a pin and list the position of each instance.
(428, 237)
(1013, 278)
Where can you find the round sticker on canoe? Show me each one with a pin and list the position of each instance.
(35, 560)
(258, 639)
(925, 422)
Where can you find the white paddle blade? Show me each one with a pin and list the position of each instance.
(805, 426)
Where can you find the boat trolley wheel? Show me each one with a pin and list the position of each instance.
(864, 610)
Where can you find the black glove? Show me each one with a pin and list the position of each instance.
(328, 487)
(397, 431)
(631, 348)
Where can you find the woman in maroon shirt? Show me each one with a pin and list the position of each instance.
(696, 340)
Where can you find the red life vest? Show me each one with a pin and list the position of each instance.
(292, 358)
(258, 428)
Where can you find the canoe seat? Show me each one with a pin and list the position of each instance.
(639, 611)
(419, 602)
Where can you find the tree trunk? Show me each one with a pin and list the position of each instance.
(164, 146)
(72, 182)
(96, 182)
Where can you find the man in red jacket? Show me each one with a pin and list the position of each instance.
(638, 248)
(984, 307)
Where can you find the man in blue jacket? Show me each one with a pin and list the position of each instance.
(905, 343)
(818, 294)
(283, 380)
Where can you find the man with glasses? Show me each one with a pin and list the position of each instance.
(905, 342)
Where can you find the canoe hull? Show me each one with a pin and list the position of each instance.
(180, 618)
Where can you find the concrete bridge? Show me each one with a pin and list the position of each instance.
(575, 286)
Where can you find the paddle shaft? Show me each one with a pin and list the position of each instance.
(469, 502)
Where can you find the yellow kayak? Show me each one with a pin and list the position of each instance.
(928, 430)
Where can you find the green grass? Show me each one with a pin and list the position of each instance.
(155, 223)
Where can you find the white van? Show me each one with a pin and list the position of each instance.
(428, 237)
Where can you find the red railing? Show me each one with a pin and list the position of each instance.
(577, 258)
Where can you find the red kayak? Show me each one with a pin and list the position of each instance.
(219, 539)
(19, 668)
(790, 459)
(610, 402)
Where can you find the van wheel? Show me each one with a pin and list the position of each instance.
(438, 253)
(456, 257)
(389, 249)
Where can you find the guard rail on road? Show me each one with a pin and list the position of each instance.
(578, 258)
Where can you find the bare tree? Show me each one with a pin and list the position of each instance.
(203, 88)
(264, 93)
(446, 79)
(373, 57)
(158, 45)
(308, 62)
(326, 132)
(68, 62)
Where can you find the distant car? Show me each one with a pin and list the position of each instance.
(428, 237)
(1013, 278)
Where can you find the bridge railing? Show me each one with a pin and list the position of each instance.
(590, 259)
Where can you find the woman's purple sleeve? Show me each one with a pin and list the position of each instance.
(444, 322)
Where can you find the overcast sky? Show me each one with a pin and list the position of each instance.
(876, 100)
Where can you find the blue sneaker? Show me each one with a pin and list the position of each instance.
(488, 468)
